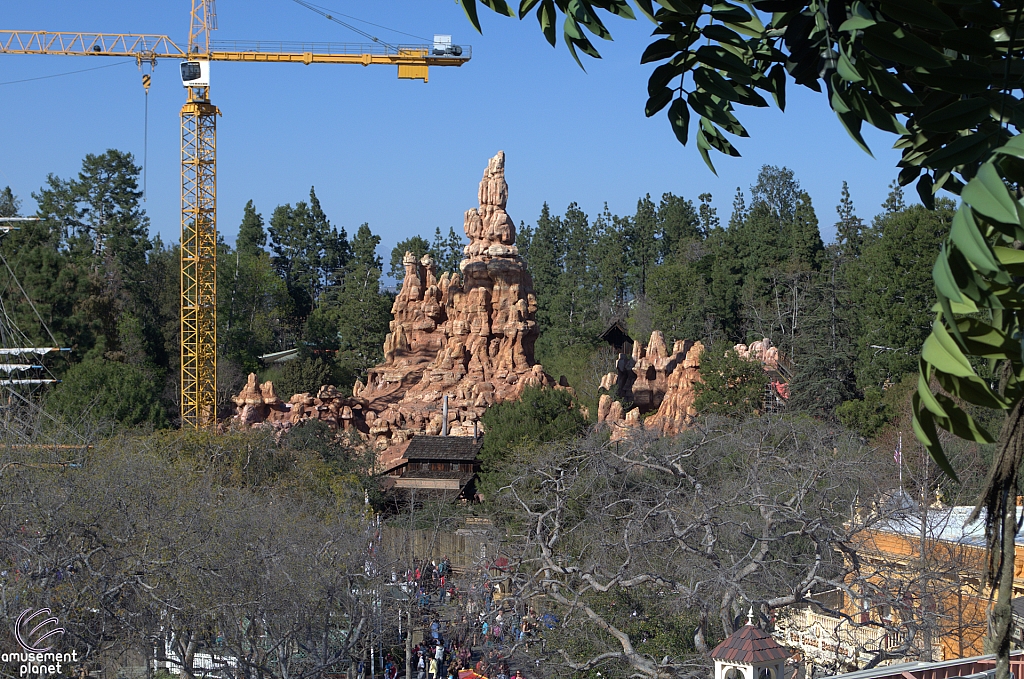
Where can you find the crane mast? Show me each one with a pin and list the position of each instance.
(198, 304)
(199, 236)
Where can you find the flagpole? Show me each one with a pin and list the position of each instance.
(899, 458)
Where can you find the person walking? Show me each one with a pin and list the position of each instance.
(421, 667)
(432, 672)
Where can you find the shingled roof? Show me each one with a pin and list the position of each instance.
(751, 646)
(449, 448)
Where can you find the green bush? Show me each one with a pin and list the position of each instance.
(541, 415)
(108, 391)
(732, 385)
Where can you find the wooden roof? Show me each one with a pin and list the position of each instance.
(615, 335)
(751, 646)
(448, 448)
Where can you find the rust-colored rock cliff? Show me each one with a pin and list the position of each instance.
(657, 381)
(468, 336)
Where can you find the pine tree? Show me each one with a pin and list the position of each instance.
(892, 290)
(849, 228)
(252, 237)
(642, 245)
(678, 223)
(362, 312)
(575, 300)
(416, 245)
(739, 210)
(806, 250)
(9, 203)
(708, 215)
(547, 257)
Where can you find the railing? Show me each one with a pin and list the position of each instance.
(326, 48)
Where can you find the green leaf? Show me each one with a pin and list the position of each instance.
(856, 23)
(960, 77)
(546, 16)
(924, 190)
(987, 194)
(985, 341)
(1011, 258)
(469, 7)
(658, 101)
(965, 150)
(583, 15)
(723, 11)
(960, 115)
(942, 351)
(972, 41)
(962, 424)
(679, 117)
(851, 123)
(658, 50)
(920, 13)
(713, 82)
(717, 57)
(720, 33)
(846, 69)
(499, 6)
(664, 74)
(887, 41)
(778, 77)
(924, 429)
(525, 6)
(884, 83)
(707, 107)
(1014, 147)
(945, 281)
(873, 113)
(964, 233)
(621, 9)
(647, 8)
(703, 146)
(928, 399)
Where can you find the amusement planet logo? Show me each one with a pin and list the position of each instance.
(36, 631)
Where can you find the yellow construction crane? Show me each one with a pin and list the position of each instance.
(199, 152)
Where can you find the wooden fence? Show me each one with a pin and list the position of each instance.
(467, 548)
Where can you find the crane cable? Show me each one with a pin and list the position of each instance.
(146, 78)
(331, 15)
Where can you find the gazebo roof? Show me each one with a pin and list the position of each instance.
(751, 646)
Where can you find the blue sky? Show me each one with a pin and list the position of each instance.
(403, 156)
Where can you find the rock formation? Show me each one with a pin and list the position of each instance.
(663, 383)
(467, 336)
(653, 380)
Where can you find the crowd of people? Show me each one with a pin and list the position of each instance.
(470, 624)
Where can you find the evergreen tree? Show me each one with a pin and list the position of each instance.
(447, 252)
(9, 203)
(892, 291)
(361, 311)
(708, 215)
(309, 254)
(823, 362)
(806, 251)
(575, 300)
(642, 245)
(252, 237)
(417, 245)
(849, 228)
(547, 256)
(678, 224)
